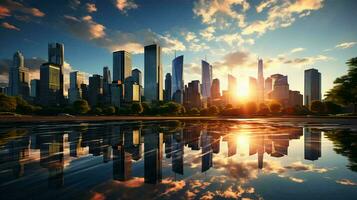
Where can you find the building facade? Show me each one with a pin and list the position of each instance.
(56, 57)
(206, 79)
(95, 90)
(76, 79)
(168, 87)
(19, 77)
(177, 79)
(50, 85)
(121, 65)
(260, 82)
(312, 86)
(153, 87)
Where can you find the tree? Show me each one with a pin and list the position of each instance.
(263, 109)
(213, 110)
(137, 108)
(7, 104)
(81, 107)
(250, 108)
(172, 108)
(204, 111)
(109, 110)
(96, 110)
(275, 107)
(332, 108)
(317, 107)
(345, 87)
(146, 108)
(194, 111)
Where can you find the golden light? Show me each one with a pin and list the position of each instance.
(243, 143)
(242, 90)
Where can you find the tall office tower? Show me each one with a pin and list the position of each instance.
(268, 87)
(76, 79)
(177, 80)
(131, 90)
(280, 90)
(35, 88)
(153, 88)
(193, 95)
(95, 89)
(19, 77)
(168, 86)
(253, 89)
(107, 80)
(312, 144)
(117, 93)
(137, 76)
(232, 89)
(121, 65)
(260, 82)
(312, 86)
(153, 146)
(206, 79)
(215, 89)
(84, 89)
(56, 57)
(50, 84)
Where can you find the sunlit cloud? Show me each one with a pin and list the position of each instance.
(296, 180)
(9, 6)
(264, 4)
(9, 26)
(297, 50)
(345, 45)
(346, 182)
(207, 33)
(91, 7)
(125, 5)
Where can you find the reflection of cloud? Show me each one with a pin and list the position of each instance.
(299, 166)
(346, 182)
(297, 180)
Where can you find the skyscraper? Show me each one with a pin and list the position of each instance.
(268, 87)
(50, 84)
(312, 86)
(131, 90)
(107, 80)
(18, 77)
(206, 79)
(137, 76)
(193, 95)
(260, 82)
(280, 90)
(168, 86)
(253, 89)
(232, 88)
(56, 57)
(153, 88)
(215, 89)
(121, 65)
(76, 79)
(35, 88)
(95, 89)
(177, 79)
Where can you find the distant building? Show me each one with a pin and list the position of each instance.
(206, 79)
(19, 77)
(312, 86)
(260, 82)
(117, 91)
(295, 98)
(56, 57)
(193, 92)
(121, 65)
(215, 89)
(153, 88)
(85, 93)
(95, 90)
(50, 89)
(107, 80)
(168, 86)
(76, 79)
(138, 78)
(253, 89)
(268, 87)
(131, 90)
(177, 79)
(232, 89)
(35, 88)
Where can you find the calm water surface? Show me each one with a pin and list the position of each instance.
(232, 159)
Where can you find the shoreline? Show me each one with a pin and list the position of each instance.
(29, 119)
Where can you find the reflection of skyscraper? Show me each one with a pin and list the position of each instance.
(153, 141)
(153, 88)
(312, 86)
(177, 153)
(121, 164)
(232, 144)
(312, 144)
(206, 141)
(177, 79)
(206, 79)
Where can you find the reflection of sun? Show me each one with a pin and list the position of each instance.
(243, 140)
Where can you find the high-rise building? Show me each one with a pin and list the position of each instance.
(260, 82)
(153, 88)
(177, 79)
(280, 90)
(268, 87)
(95, 90)
(107, 80)
(137, 76)
(206, 79)
(232, 89)
(215, 89)
(295, 98)
(312, 86)
(50, 84)
(253, 89)
(193, 95)
(168, 86)
(131, 90)
(56, 57)
(117, 93)
(76, 79)
(35, 88)
(121, 65)
(19, 77)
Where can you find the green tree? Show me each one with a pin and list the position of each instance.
(137, 108)
(7, 104)
(194, 111)
(332, 108)
(172, 108)
(81, 107)
(345, 87)
(109, 110)
(275, 107)
(317, 107)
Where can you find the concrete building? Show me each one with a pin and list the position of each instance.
(18, 77)
(206, 79)
(312, 86)
(177, 79)
(153, 88)
(193, 98)
(121, 65)
(280, 90)
(95, 90)
(168, 86)
(295, 98)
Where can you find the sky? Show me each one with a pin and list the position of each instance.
(289, 35)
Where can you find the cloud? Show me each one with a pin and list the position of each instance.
(346, 182)
(234, 39)
(190, 36)
(207, 33)
(73, 4)
(125, 5)
(281, 14)
(345, 45)
(299, 166)
(304, 60)
(297, 180)
(297, 50)
(91, 7)
(9, 26)
(264, 4)
(88, 29)
(9, 6)
(221, 11)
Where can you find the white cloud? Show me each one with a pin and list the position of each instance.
(264, 4)
(234, 39)
(299, 49)
(346, 45)
(207, 33)
(190, 36)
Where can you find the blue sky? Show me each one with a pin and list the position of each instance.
(290, 35)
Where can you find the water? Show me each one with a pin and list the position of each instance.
(231, 159)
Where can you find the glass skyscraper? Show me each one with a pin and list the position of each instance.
(206, 79)
(177, 79)
(153, 87)
(121, 65)
(312, 86)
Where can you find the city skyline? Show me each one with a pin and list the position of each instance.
(197, 35)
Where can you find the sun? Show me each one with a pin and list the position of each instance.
(242, 90)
